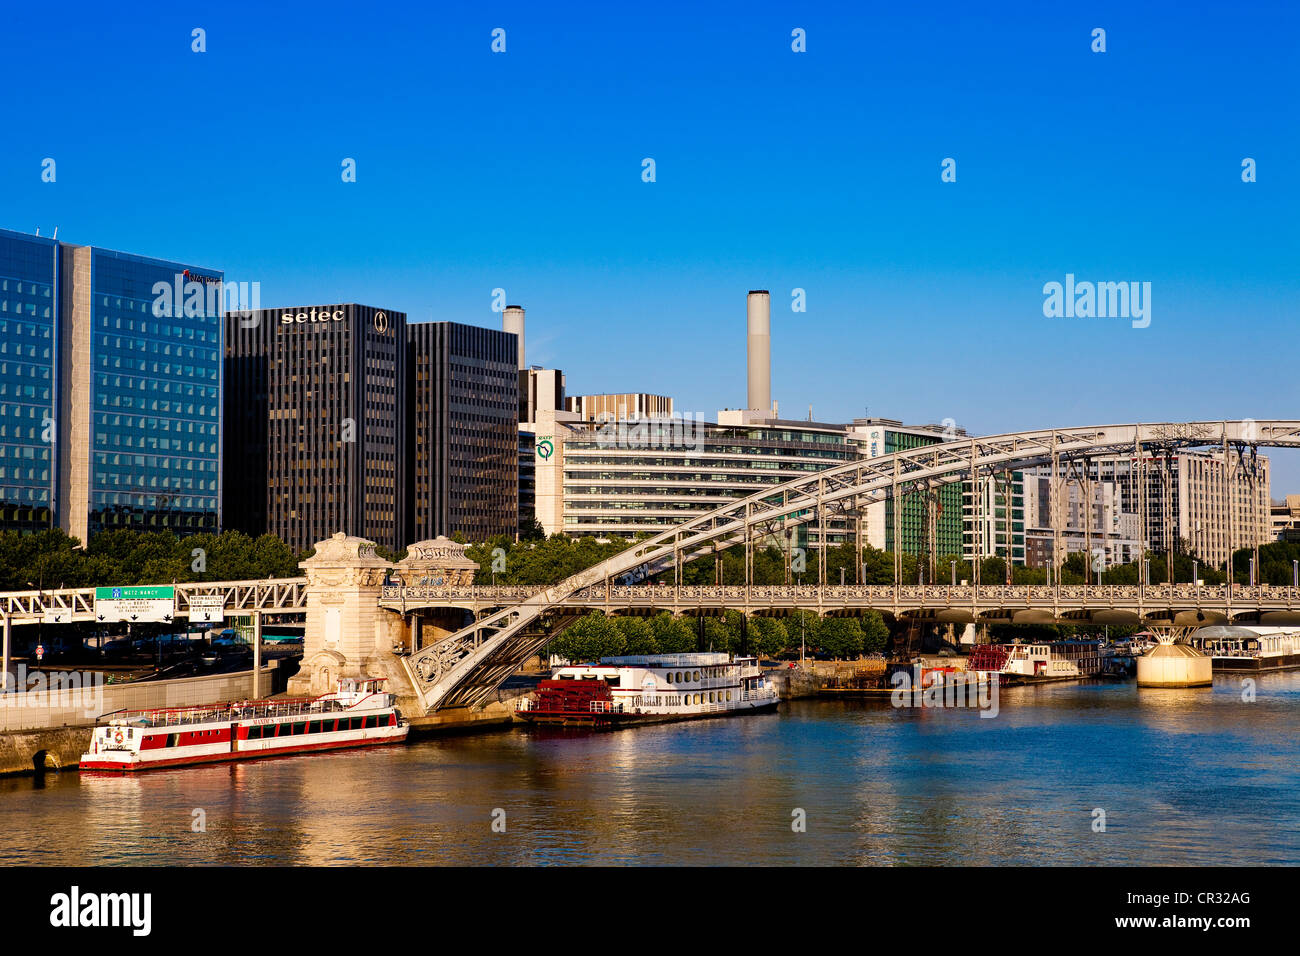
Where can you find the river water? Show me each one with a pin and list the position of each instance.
(1183, 777)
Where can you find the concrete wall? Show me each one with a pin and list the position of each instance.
(36, 710)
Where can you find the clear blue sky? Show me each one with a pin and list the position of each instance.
(777, 170)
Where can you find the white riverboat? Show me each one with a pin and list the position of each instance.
(1233, 647)
(651, 688)
(358, 714)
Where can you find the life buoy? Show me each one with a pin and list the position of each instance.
(118, 737)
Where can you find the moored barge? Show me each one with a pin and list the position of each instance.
(1232, 647)
(652, 688)
(358, 714)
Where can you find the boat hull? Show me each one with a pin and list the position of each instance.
(611, 721)
(1278, 662)
(120, 762)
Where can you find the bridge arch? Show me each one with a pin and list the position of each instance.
(465, 667)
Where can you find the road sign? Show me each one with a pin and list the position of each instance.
(207, 608)
(134, 605)
(56, 615)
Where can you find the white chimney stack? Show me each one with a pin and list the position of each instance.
(760, 351)
(512, 320)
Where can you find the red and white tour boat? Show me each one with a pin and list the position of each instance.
(358, 714)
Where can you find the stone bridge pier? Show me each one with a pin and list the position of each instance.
(438, 562)
(347, 634)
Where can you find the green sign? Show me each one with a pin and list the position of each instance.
(135, 604)
(144, 593)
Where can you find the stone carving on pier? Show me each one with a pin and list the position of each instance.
(437, 562)
(345, 629)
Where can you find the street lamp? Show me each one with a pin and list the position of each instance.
(954, 572)
(1252, 571)
(40, 598)
(1295, 574)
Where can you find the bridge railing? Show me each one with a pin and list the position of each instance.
(882, 595)
(265, 594)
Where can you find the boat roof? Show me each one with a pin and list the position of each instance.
(1240, 631)
(696, 659)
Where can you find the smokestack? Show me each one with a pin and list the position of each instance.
(512, 320)
(759, 311)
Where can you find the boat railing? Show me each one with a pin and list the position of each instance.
(183, 716)
(605, 707)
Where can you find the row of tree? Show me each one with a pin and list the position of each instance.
(53, 559)
(505, 561)
(595, 636)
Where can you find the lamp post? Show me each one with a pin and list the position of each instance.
(40, 599)
(954, 572)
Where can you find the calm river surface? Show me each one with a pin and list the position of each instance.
(1184, 777)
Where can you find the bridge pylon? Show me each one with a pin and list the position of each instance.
(347, 634)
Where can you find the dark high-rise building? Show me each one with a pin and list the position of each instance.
(463, 389)
(316, 424)
(110, 384)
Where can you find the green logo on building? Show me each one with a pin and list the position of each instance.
(545, 449)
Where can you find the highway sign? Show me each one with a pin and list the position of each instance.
(134, 605)
(207, 608)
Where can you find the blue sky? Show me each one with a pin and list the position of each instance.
(775, 170)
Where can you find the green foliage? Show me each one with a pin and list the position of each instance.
(638, 636)
(840, 637)
(768, 636)
(52, 559)
(539, 562)
(875, 632)
(1274, 564)
(673, 635)
(588, 639)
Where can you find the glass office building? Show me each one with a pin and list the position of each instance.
(29, 303)
(155, 415)
(110, 412)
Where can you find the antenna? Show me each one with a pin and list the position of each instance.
(56, 233)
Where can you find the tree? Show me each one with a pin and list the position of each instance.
(589, 638)
(638, 636)
(768, 636)
(672, 635)
(875, 632)
(840, 637)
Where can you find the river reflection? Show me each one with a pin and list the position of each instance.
(1184, 777)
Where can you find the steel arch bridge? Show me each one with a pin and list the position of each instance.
(464, 668)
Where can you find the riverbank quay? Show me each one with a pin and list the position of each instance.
(49, 728)
(809, 678)
(37, 749)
